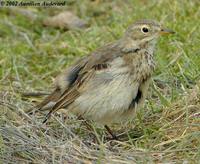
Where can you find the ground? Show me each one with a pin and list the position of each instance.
(166, 130)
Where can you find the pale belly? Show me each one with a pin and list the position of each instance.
(107, 102)
(107, 96)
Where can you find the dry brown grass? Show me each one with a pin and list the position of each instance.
(173, 136)
(167, 130)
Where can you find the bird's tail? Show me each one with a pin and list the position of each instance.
(53, 97)
(65, 100)
(47, 103)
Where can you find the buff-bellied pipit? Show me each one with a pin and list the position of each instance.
(109, 84)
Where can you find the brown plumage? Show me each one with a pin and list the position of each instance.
(109, 84)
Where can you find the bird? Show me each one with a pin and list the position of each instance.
(111, 83)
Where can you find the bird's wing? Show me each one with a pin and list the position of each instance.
(83, 71)
(53, 97)
(62, 83)
(69, 83)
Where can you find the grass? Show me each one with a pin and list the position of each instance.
(167, 129)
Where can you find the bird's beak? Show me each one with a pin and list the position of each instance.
(165, 31)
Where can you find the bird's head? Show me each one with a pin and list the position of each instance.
(144, 32)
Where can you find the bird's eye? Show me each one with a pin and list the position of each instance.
(145, 29)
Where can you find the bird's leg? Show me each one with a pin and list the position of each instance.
(90, 128)
(114, 137)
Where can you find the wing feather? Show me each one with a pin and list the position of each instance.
(82, 71)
